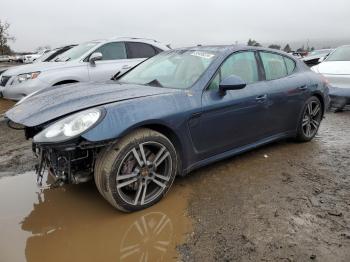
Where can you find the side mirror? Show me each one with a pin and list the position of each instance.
(231, 82)
(95, 57)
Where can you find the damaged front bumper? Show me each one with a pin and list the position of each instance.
(68, 163)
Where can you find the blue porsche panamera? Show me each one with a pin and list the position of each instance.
(175, 112)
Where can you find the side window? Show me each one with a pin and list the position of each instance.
(241, 64)
(214, 85)
(140, 50)
(112, 51)
(290, 65)
(274, 65)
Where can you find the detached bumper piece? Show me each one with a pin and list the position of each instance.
(67, 165)
(340, 98)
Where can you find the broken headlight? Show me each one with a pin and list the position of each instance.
(69, 127)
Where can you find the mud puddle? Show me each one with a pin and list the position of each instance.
(74, 223)
(5, 105)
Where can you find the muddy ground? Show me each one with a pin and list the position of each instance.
(282, 202)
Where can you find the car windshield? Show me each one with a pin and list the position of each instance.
(76, 52)
(340, 54)
(44, 56)
(175, 69)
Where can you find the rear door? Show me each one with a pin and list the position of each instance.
(287, 91)
(114, 60)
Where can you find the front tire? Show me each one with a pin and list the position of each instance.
(137, 171)
(310, 120)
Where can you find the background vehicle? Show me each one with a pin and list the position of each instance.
(336, 68)
(316, 56)
(299, 54)
(52, 54)
(91, 61)
(5, 58)
(171, 114)
(27, 59)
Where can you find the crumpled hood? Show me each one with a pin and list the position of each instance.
(35, 67)
(62, 100)
(334, 68)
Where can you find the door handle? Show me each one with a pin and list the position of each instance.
(303, 87)
(261, 98)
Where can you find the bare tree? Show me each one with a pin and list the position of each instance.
(5, 37)
(252, 42)
(273, 46)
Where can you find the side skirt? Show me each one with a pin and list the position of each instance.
(237, 151)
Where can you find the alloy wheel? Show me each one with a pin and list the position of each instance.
(144, 173)
(311, 118)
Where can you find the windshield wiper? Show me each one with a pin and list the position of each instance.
(155, 83)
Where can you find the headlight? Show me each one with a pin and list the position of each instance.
(24, 77)
(69, 127)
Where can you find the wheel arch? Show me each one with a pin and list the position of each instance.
(63, 82)
(167, 132)
(320, 97)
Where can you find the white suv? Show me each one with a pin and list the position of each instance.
(96, 61)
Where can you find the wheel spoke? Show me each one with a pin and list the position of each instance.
(309, 109)
(162, 185)
(121, 177)
(316, 110)
(160, 157)
(143, 154)
(160, 152)
(315, 123)
(161, 176)
(128, 182)
(138, 193)
(144, 193)
(308, 130)
(137, 157)
(305, 121)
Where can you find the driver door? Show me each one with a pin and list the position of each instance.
(237, 118)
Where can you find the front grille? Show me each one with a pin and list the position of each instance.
(4, 80)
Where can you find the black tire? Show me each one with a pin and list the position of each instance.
(309, 121)
(115, 159)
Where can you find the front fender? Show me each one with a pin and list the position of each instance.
(79, 74)
(122, 117)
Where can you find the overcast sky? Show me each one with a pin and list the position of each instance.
(179, 22)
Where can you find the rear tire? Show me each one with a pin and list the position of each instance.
(137, 171)
(310, 120)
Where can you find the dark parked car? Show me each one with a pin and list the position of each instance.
(173, 113)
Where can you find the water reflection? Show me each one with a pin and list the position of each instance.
(74, 223)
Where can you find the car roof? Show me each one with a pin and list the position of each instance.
(223, 49)
(132, 39)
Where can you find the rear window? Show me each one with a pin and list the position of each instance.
(290, 64)
(140, 50)
(274, 65)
